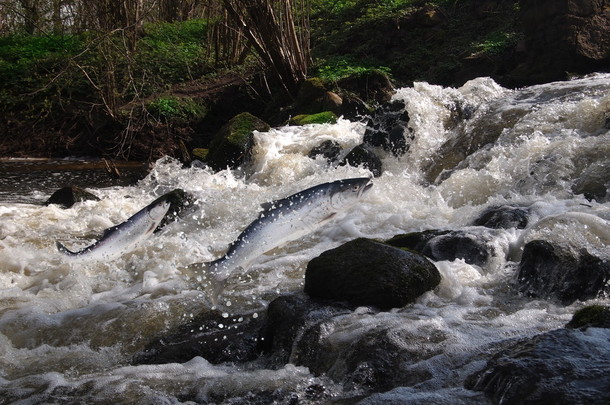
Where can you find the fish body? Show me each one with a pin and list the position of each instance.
(123, 238)
(285, 220)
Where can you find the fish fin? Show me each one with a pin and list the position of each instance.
(266, 206)
(65, 250)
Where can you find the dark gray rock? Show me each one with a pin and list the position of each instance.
(558, 367)
(366, 272)
(330, 150)
(287, 317)
(361, 155)
(550, 271)
(388, 128)
(216, 338)
(68, 196)
(473, 248)
(503, 217)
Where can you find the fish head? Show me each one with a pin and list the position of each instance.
(345, 193)
(158, 211)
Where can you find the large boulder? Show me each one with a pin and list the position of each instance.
(562, 366)
(551, 271)
(231, 146)
(562, 36)
(367, 272)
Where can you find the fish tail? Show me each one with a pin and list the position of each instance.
(218, 284)
(65, 250)
(208, 275)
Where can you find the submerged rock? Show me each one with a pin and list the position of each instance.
(550, 271)
(315, 333)
(562, 366)
(366, 272)
(288, 316)
(216, 337)
(68, 196)
(503, 217)
(231, 146)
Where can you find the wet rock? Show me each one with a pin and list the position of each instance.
(503, 217)
(472, 247)
(361, 155)
(288, 316)
(366, 272)
(231, 146)
(330, 150)
(216, 338)
(325, 117)
(388, 128)
(68, 196)
(353, 108)
(562, 366)
(373, 361)
(550, 271)
(596, 316)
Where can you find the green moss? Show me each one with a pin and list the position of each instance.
(201, 153)
(176, 108)
(593, 315)
(326, 117)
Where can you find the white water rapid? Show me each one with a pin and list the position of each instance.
(68, 331)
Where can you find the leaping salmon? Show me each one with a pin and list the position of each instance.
(123, 238)
(285, 220)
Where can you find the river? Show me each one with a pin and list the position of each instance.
(68, 331)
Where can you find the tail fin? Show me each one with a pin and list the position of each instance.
(65, 250)
(208, 275)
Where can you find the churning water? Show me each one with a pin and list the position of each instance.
(68, 331)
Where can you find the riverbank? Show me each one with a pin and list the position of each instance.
(170, 99)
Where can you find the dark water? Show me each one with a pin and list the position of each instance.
(34, 180)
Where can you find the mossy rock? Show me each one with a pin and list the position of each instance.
(231, 146)
(367, 272)
(200, 153)
(597, 316)
(310, 95)
(326, 117)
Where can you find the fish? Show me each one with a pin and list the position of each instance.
(285, 220)
(123, 238)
